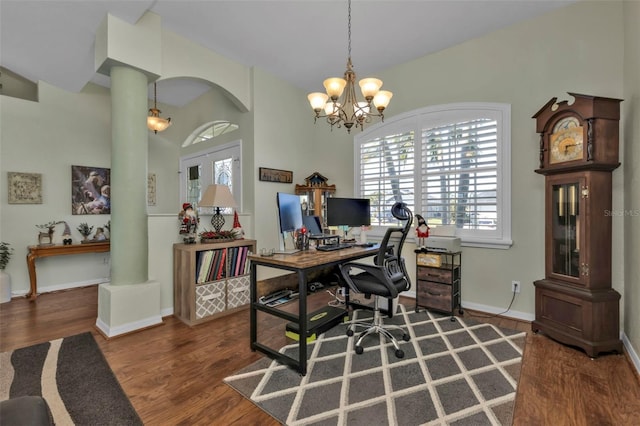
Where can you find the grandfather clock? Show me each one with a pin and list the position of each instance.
(575, 303)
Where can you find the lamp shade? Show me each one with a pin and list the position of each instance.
(369, 87)
(317, 100)
(334, 87)
(156, 123)
(217, 196)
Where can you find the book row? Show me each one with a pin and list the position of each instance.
(212, 265)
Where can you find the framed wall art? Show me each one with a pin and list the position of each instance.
(90, 190)
(24, 188)
(151, 189)
(275, 175)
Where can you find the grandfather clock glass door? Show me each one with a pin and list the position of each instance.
(565, 232)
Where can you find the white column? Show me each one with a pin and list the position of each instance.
(130, 302)
(129, 140)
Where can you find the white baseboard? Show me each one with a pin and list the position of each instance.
(127, 328)
(631, 351)
(64, 286)
(524, 316)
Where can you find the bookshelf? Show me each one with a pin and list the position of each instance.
(210, 280)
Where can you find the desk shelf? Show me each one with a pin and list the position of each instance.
(302, 264)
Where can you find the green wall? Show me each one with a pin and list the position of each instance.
(588, 47)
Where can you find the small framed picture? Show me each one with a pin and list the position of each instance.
(275, 175)
(24, 188)
(151, 189)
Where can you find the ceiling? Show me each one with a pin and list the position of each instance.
(301, 41)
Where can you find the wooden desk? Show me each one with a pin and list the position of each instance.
(58, 250)
(301, 263)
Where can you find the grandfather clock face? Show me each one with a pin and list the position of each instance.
(566, 141)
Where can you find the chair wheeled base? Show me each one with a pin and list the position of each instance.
(377, 327)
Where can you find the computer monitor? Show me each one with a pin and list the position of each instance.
(289, 212)
(289, 219)
(349, 212)
(312, 223)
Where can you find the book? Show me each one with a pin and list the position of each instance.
(242, 260)
(206, 264)
(214, 266)
(233, 252)
(221, 265)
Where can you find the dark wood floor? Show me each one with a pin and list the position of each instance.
(173, 373)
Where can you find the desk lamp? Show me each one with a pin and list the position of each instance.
(217, 196)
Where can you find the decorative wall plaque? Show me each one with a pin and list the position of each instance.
(24, 188)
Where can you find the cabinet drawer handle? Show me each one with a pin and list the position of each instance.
(212, 296)
(434, 294)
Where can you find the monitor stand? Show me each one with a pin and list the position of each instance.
(283, 244)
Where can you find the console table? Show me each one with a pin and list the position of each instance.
(58, 250)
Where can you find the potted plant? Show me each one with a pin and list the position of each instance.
(85, 230)
(5, 278)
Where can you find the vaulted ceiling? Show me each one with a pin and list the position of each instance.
(301, 41)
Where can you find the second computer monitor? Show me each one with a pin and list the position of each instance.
(351, 212)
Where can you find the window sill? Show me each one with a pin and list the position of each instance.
(376, 234)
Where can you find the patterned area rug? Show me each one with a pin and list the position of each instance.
(72, 375)
(458, 373)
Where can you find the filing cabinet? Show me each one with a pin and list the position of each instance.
(438, 281)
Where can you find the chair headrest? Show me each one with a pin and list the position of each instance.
(400, 211)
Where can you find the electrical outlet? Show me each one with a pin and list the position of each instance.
(515, 286)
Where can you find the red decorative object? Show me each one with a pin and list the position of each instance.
(237, 228)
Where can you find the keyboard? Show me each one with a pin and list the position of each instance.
(332, 247)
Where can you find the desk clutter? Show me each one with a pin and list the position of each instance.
(277, 297)
(318, 322)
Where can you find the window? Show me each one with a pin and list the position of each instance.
(449, 163)
(209, 131)
(220, 165)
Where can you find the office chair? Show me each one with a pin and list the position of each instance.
(385, 278)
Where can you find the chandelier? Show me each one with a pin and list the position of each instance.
(154, 121)
(348, 111)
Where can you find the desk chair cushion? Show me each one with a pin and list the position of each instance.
(369, 281)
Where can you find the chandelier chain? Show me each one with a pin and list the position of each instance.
(349, 29)
(155, 95)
